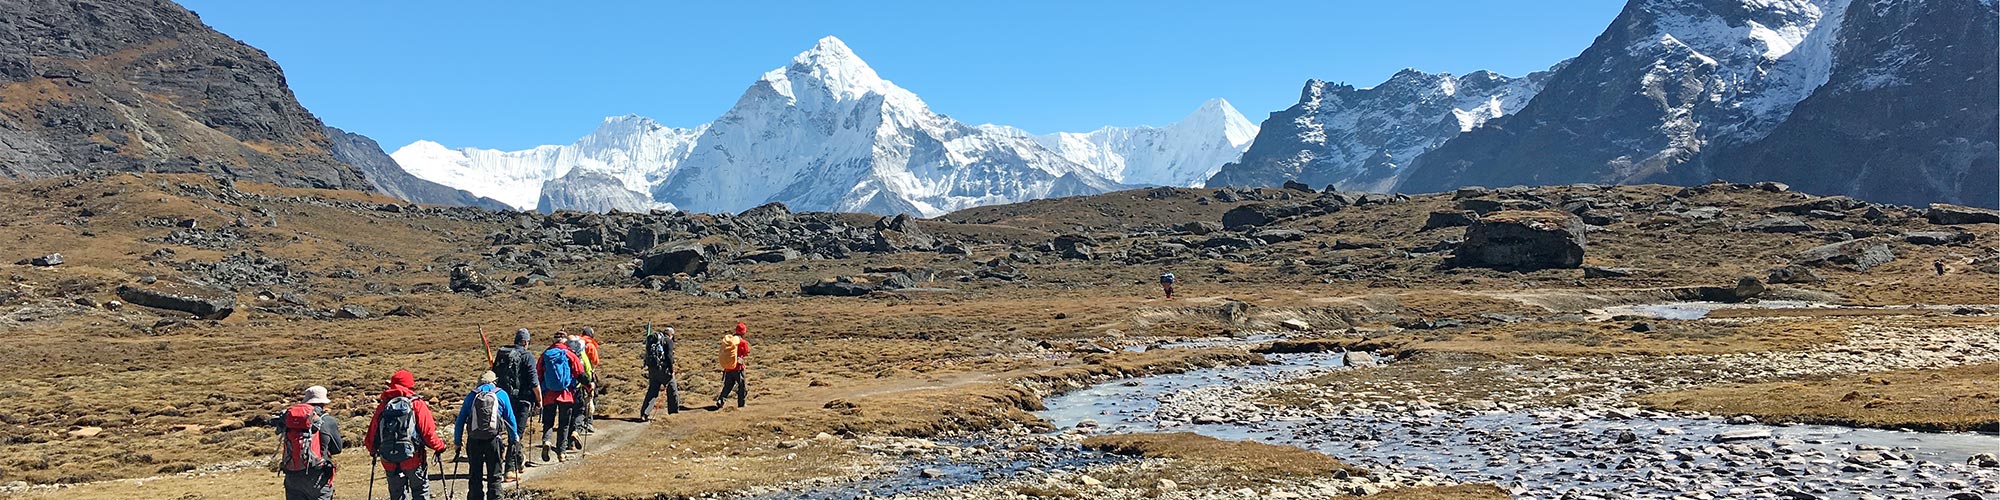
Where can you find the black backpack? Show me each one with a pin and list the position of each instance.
(508, 365)
(396, 430)
(656, 354)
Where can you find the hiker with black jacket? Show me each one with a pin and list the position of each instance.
(494, 428)
(659, 357)
(515, 367)
(309, 438)
(399, 434)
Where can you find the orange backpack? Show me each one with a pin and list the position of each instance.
(729, 343)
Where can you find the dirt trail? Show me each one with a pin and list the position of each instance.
(611, 434)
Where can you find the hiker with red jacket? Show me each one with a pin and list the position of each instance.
(400, 433)
(735, 357)
(561, 374)
(309, 438)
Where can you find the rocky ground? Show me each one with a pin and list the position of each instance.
(183, 310)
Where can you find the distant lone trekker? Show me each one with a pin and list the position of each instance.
(735, 357)
(309, 440)
(1939, 264)
(1167, 283)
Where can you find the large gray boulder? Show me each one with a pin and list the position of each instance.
(201, 302)
(1522, 241)
(678, 258)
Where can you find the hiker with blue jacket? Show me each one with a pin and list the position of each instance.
(493, 428)
(400, 433)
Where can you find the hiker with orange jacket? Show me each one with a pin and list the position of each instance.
(561, 374)
(399, 434)
(735, 357)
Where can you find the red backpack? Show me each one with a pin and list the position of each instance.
(300, 449)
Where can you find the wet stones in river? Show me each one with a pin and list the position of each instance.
(1360, 359)
(1742, 435)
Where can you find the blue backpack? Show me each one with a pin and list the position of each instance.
(555, 370)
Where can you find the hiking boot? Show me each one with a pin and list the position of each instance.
(512, 477)
(545, 450)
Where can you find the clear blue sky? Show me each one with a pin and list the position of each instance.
(514, 74)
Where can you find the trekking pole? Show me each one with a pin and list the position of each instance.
(487, 343)
(372, 466)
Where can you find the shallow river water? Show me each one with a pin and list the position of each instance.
(1556, 453)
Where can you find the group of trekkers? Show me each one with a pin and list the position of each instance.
(561, 383)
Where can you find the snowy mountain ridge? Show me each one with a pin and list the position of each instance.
(634, 150)
(826, 132)
(1183, 154)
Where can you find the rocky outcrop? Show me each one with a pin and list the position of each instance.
(139, 85)
(1522, 241)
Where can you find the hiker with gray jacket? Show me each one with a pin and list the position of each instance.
(514, 367)
(309, 438)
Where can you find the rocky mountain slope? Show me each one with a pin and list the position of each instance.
(1361, 139)
(1888, 101)
(1185, 153)
(134, 85)
(388, 178)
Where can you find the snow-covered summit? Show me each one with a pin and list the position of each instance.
(1185, 153)
(634, 150)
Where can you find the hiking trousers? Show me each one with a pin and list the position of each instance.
(409, 484)
(654, 383)
(484, 470)
(311, 484)
(514, 456)
(560, 419)
(733, 380)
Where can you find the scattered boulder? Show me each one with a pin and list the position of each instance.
(1295, 324)
(1269, 236)
(681, 258)
(50, 260)
(1772, 187)
(766, 214)
(1449, 218)
(1595, 272)
(1859, 255)
(772, 256)
(900, 233)
(1793, 274)
(1827, 204)
(641, 238)
(351, 311)
(202, 303)
(465, 279)
(1937, 237)
(1522, 240)
(1746, 288)
(1983, 460)
(1198, 228)
(1780, 224)
(1952, 215)
(408, 311)
(1298, 186)
(839, 287)
(1258, 214)
(1360, 359)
